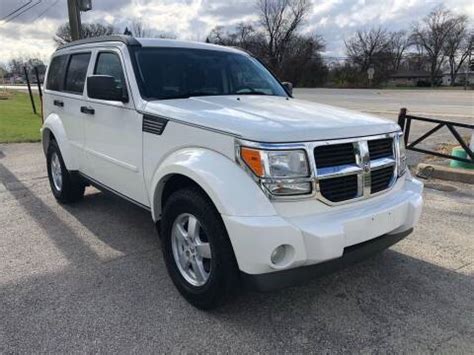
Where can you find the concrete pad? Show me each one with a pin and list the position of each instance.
(443, 172)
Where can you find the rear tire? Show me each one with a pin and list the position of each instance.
(214, 280)
(66, 186)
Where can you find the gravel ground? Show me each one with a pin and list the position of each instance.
(90, 277)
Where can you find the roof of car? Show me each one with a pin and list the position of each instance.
(148, 42)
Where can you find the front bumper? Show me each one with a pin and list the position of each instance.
(322, 236)
(291, 277)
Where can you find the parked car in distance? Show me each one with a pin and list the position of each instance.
(249, 187)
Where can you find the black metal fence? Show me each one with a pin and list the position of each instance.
(40, 92)
(405, 122)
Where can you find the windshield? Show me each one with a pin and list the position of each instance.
(171, 73)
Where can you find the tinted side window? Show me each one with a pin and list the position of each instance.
(56, 72)
(76, 72)
(109, 64)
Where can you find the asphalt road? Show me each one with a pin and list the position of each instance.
(449, 105)
(456, 105)
(90, 277)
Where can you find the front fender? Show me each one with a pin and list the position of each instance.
(54, 125)
(232, 191)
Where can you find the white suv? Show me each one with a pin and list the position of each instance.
(247, 185)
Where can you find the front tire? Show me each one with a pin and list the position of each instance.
(197, 249)
(65, 185)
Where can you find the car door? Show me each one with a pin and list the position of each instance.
(68, 76)
(113, 134)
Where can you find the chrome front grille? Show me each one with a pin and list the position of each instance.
(381, 148)
(347, 171)
(326, 155)
(381, 179)
(340, 188)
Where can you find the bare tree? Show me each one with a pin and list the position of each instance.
(398, 43)
(301, 62)
(431, 34)
(415, 61)
(244, 33)
(218, 36)
(15, 66)
(140, 29)
(458, 46)
(280, 21)
(244, 36)
(63, 33)
(3, 71)
(368, 47)
(275, 40)
(345, 74)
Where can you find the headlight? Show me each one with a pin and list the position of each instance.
(402, 156)
(279, 170)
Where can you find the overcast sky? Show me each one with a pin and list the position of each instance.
(31, 33)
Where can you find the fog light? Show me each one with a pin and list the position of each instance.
(278, 255)
(282, 256)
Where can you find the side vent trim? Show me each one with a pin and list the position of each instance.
(154, 124)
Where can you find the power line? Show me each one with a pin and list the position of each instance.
(46, 10)
(15, 11)
(23, 11)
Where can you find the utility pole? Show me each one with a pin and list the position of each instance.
(74, 19)
(74, 8)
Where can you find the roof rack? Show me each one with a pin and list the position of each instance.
(128, 40)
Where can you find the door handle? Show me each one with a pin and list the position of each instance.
(87, 110)
(58, 103)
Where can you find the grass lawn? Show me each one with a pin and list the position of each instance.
(18, 123)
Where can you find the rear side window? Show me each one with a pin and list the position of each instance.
(56, 73)
(109, 64)
(76, 73)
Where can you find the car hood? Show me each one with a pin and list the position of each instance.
(270, 118)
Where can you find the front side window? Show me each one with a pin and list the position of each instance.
(76, 73)
(56, 72)
(170, 73)
(109, 64)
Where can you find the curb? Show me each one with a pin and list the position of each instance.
(447, 173)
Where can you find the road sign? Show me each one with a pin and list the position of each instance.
(370, 73)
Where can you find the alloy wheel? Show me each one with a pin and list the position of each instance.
(191, 249)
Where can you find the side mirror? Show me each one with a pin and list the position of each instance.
(104, 87)
(288, 87)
